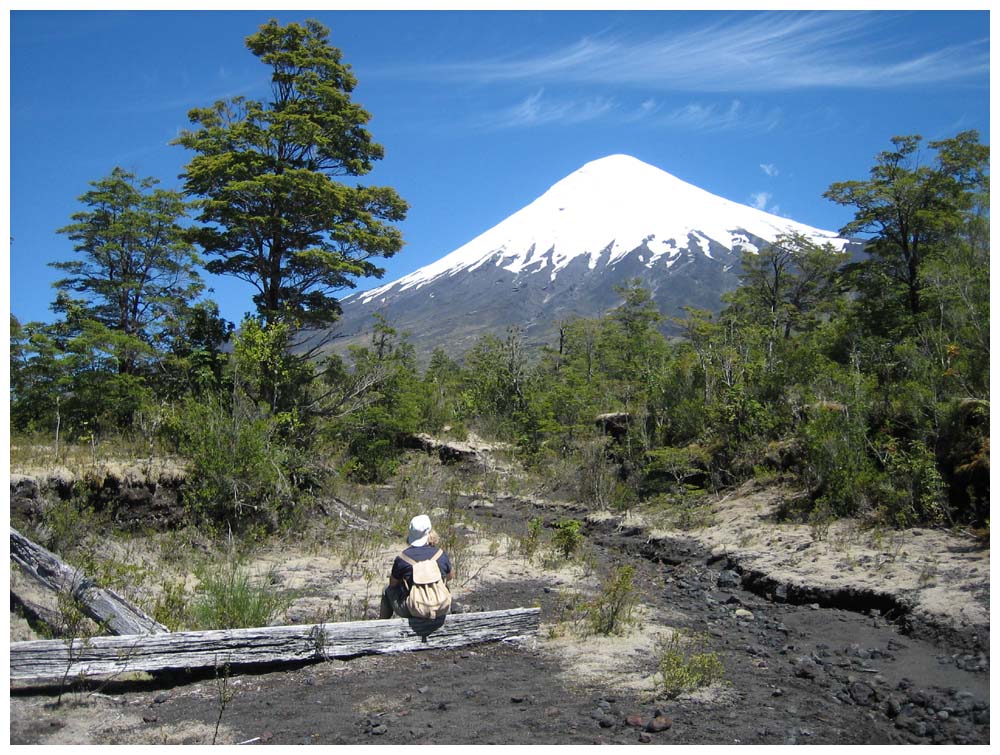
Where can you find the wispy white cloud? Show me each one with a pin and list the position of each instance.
(759, 52)
(538, 110)
(646, 109)
(770, 169)
(762, 201)
(712, 117)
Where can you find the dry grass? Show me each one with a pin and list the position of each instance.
(41, 452)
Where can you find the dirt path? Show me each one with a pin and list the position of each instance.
(807, 673)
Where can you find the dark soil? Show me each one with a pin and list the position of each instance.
(796, 673)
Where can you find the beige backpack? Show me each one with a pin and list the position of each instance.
(429, 597)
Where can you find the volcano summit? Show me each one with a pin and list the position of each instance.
(563, 255)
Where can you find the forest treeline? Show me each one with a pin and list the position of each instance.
(865, 381)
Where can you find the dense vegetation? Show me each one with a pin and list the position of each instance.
(865, 381)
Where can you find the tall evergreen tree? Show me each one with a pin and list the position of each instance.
(135, 269)
(910, 210)
(272, 212)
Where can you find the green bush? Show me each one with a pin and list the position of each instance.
(172, 608)
(836, 464)
(820, 519)
(242, 469)
(567, 537)
(686, 509)
(231, 597)
(964, 458)
(911, 490)
(529, 542)
(674, 470)
(66, 524)
(611, 612)
(373, 445)
(685, 665)
(597, 476)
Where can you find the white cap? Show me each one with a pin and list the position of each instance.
(420, 528)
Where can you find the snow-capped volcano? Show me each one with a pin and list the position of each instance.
(561, 256)
(605, 210)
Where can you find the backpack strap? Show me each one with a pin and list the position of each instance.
(411, 562)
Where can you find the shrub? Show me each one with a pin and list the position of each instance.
(242, 468)
(686, 509)
(126, 575)
(172, 608)
(597, 476)
(820, 519)
(230, 598)
(66, 524)
(529, 543)
(685, 665)
(373, 443)
(836, 464)
(611, 611)
(567, 537)
(911, 490)
(964, 457)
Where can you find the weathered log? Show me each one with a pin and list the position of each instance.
(46, 660)
(106, 607)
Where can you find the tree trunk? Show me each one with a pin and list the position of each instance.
(51, 660)
(104, 606)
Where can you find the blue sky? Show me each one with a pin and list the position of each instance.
(480, 112)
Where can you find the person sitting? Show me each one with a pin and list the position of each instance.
(417, 582)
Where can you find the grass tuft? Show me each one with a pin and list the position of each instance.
(232, 597)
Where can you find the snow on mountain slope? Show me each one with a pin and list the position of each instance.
(611, 206)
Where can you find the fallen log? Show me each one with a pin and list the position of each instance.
(106, 607)
(50, 660)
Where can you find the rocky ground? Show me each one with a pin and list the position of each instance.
(818, 645)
